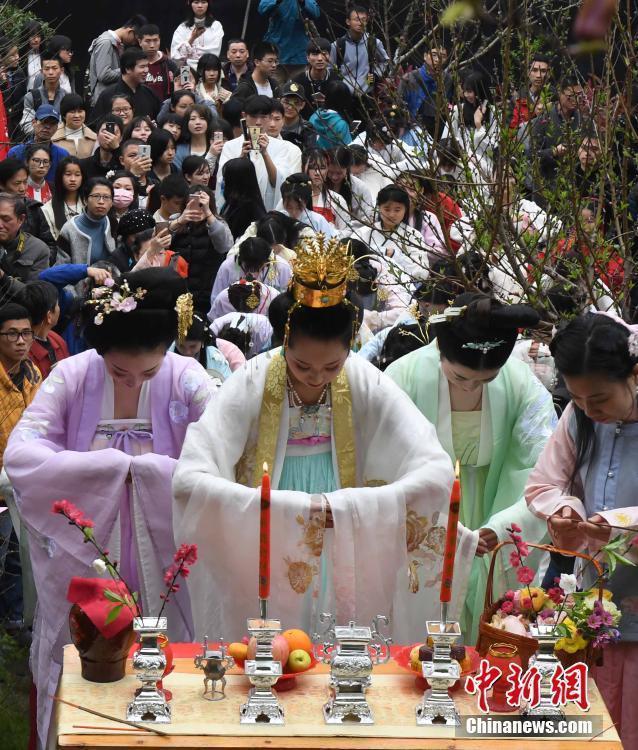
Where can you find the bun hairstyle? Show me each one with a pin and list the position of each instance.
(153, 322)
(253, 253)
(592, 344)
(244, 295)
(320, 323)
(483, 335)
(298, 187)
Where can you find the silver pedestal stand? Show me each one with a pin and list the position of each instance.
(546, 661)
(262, 705)
(149, 662)
(351, 651)
(441, 673)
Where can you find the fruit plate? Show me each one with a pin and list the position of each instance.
(402, 658)
(287, 679)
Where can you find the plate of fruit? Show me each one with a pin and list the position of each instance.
(293, 648)
(411, 659)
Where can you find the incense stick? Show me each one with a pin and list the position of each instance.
(628, 529)
(111, 718)
(106, 729)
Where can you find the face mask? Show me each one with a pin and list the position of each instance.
(122, 198)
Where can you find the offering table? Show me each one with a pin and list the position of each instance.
(198, 723)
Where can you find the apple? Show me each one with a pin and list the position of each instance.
(280, 649)
(299, 660)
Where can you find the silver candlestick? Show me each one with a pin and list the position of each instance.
(262, 705)
(351, 651)
(546, 661)
(149, 662)
(441, 673)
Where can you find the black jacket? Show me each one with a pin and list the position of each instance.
(197, 249)
(92, 167)
(144, 101)
(247, 88)
(14, 89)
(36, 225)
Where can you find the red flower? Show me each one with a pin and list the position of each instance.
(523, 549)
(169, 575)
(64, 507)
(525, 575)
(515, 560)
(507, 607)
(634, 542)
(70, 511)
(515, 527)
(187, 553)
(516, 538)
(184, 571)
(555, 594)
(510, 595)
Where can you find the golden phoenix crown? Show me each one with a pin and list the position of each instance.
(321, 271)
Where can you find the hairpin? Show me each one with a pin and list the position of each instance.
(107, 299)
(184, 310)
(447, 315)
(483, 346)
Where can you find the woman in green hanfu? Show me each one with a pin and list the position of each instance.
(360, 483)
(493, 416)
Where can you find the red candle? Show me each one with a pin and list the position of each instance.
(264, 536)
(450, 539)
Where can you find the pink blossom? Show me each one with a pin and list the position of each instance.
(108, 282)
(525, 575)
(516, 538)
(63, 507)
(515, 559)
(594, 621)
(634, 542)
(510, 594)
(547, 614)
(70, 511)
(555, 594)
(523, 549)
(515, 527)
(128, 304)
(169, 575)
(187, 553)
(507, 607)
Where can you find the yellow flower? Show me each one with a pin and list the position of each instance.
(593, 594)
(576, 642)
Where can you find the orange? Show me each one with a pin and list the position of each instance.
(298, 639)
(238, 651)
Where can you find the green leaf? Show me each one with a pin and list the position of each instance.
(112, 596)
(624, 560)
(112, 615)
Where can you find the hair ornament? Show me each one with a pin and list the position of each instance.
(447, 315)
(109, 298)
(632, 344)
(184, 310)
(483, 346)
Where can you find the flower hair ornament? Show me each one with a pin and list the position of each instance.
(483, 346)
(448, 315)
(320, 275)
(632, 344)
(184, 310)
(107, 299)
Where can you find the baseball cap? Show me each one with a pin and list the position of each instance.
(292, 89)
(47, 112)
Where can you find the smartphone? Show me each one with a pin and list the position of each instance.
(184, 74)
(244, 128)
(110, 127)
(160, 226)
(218, 136)
(144, 151)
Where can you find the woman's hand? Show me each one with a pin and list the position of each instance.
(486, 543)
(565, 533)
(160, 242)
(216, 148)
(596, 535)
(99, 275)
(196, 33)
(479, 115)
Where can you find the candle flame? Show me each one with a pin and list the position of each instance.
(265, 468)
(457, 470)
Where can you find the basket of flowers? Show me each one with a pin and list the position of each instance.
(585, 621)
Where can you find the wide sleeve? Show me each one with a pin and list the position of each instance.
(180, 46)
(530, 432)
(548, 487)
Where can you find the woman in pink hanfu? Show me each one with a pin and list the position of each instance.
(105, 432)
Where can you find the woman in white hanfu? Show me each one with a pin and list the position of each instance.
(361, 485)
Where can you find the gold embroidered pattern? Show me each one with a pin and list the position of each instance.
(300, 574)
(270, 416)
(313, 531)
(344, 430)
(415, 530)
(375, 483)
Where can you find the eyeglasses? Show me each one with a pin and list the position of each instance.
(13, 336)
(122, 110)
(101, 198)
(41, 162)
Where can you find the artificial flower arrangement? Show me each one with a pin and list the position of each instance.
(122, 604)
(580, 618)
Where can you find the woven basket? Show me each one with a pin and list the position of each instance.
(526, 645)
